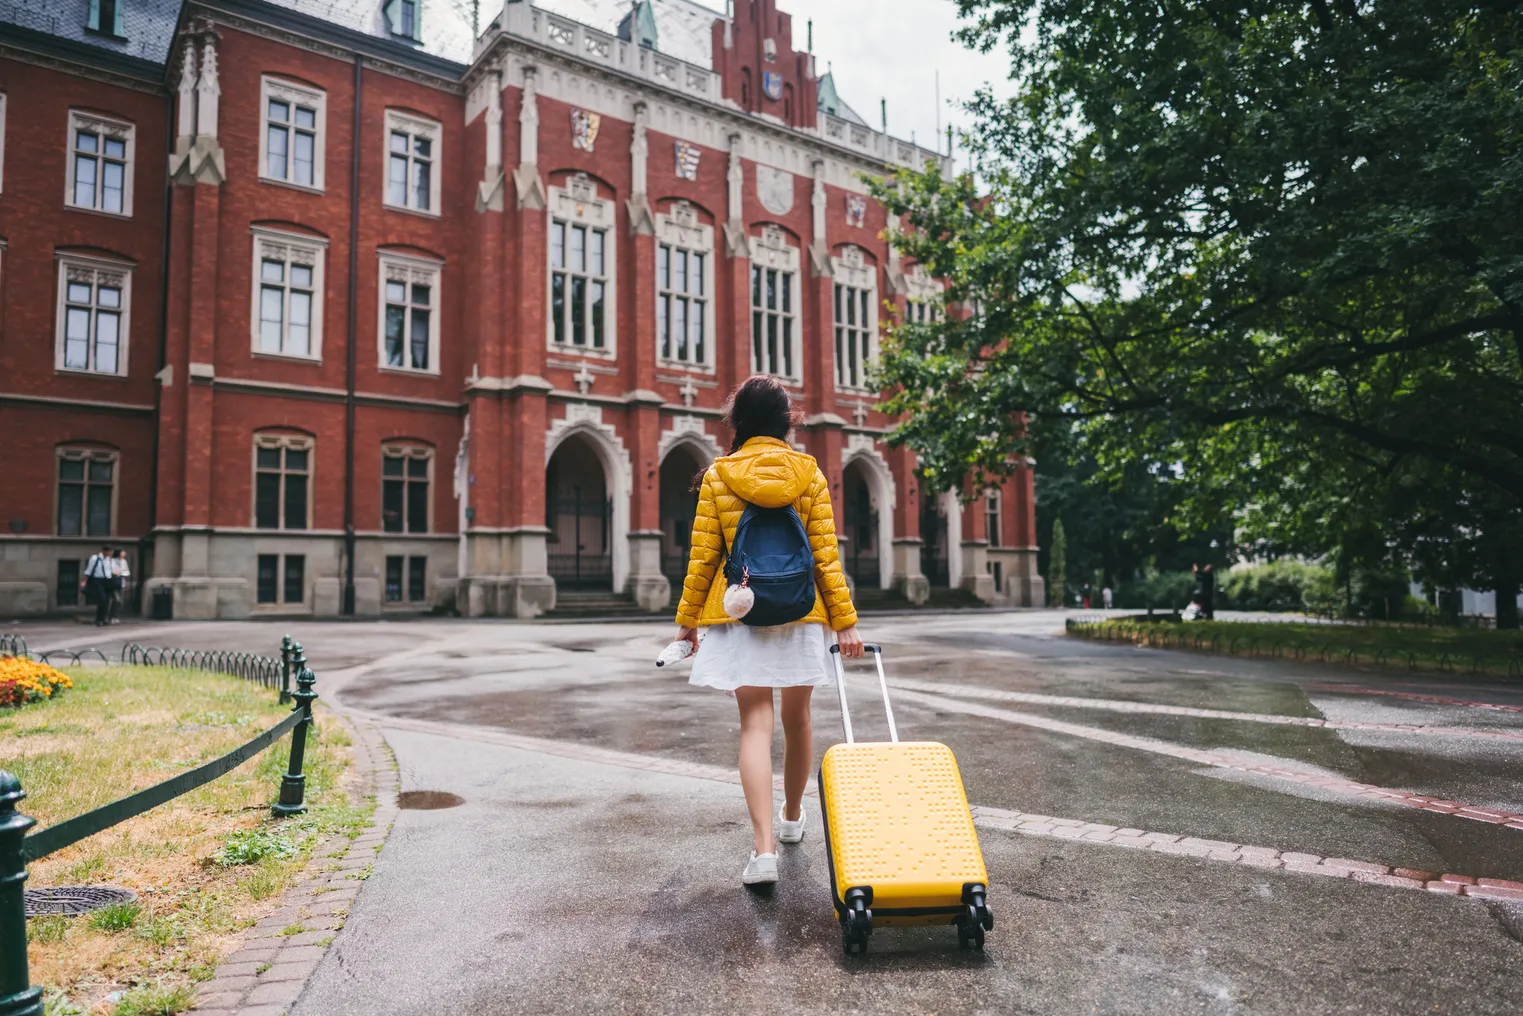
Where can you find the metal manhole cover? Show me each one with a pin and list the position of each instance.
(74, 899)
(428, 800)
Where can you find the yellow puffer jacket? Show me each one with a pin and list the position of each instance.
(769, 473)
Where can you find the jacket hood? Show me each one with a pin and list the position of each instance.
(767, 472)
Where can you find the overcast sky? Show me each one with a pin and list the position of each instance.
(894, 49)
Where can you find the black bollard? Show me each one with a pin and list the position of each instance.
(17, 996)
(293, 786)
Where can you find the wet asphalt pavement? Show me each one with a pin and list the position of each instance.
(573, 880)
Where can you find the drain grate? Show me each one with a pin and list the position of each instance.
(74, 899)
(428, 800)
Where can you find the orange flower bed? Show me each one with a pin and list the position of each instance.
(22, 680)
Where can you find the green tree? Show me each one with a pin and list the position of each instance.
(1057, 567)
(1218, 240)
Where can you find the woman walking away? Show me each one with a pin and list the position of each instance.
(761, 475)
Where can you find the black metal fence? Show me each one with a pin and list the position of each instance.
(18, 846)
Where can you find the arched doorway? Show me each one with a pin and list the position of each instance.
(579, 515)
(860, 525)
(935, 563)
(679, 502)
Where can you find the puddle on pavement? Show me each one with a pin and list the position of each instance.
(428, 800)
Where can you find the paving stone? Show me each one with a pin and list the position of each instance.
(300, 953)
(294, 971)
(1487, 892)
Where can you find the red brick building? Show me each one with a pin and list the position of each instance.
(385, 311)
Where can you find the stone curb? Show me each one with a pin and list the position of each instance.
(267, 974)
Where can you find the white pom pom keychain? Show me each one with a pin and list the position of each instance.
(738, 600)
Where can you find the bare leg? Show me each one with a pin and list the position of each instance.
(756, 762)
(798, 749)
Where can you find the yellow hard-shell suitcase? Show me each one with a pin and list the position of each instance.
(899, 833)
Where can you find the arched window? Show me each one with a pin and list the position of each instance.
(86, 491)
(282, 481)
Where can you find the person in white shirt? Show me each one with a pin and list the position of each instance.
(120, 573)
(100, 575)
(1106, 597)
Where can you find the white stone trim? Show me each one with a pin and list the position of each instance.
(689, 432)
(679, 227)
(586, 419)
(414, 126)
(106, 127)
(953, 509)
(287, 91)
(863, 448)
(291, 249)
(98, 272)
(409, 269)
(851, 268)
(578, 204)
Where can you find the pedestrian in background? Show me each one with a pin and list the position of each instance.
(1208, 593)
(120, 573)
(762, 469)
(1106, 597)
(99, 574)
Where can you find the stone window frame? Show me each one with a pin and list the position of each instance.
(107, 127)
(75, 268)
(679, 227)
(281, 603)
(271, 87)
(408, 451)
(923, 297)
(410, 270)
(414, 126)
(852, 271)
(994, 506)
(579, 203)
(405, 600)
(288, 248)
(282, 440)
(87, 452)
(771, 250)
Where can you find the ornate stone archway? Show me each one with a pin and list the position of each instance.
(586, 420)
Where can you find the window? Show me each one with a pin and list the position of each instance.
(108, 17)
(924, 295)
(282, 481)
(991, 516)
(416, 587)
(853, 336)
(684, 286)
(581, 269)
(291, 143)
(100, 164)
(404, 19)
(404, 489)
(855, 315)
(269, 585)
(93, 303)
(409, 313)
(288, 291)
(86, 491)
(774, 306)
(924, 312)
(68, 582)
(412, 162)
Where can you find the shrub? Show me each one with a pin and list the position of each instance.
(248, 846)
(1159, 590)
(1279, 586)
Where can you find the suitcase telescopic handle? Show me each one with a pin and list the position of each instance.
(888, 708)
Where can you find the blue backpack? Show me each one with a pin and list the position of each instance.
(771, 555)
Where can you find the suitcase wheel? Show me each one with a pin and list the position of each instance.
(856, 922)
(970, 934)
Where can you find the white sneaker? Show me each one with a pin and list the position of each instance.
(760, 870)
(790, 832)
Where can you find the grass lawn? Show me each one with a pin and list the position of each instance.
(205, 866)
(1450, 650)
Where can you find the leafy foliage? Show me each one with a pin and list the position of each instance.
(1274, 252)
(249, 846)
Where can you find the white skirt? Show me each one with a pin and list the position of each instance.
(784, 656)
